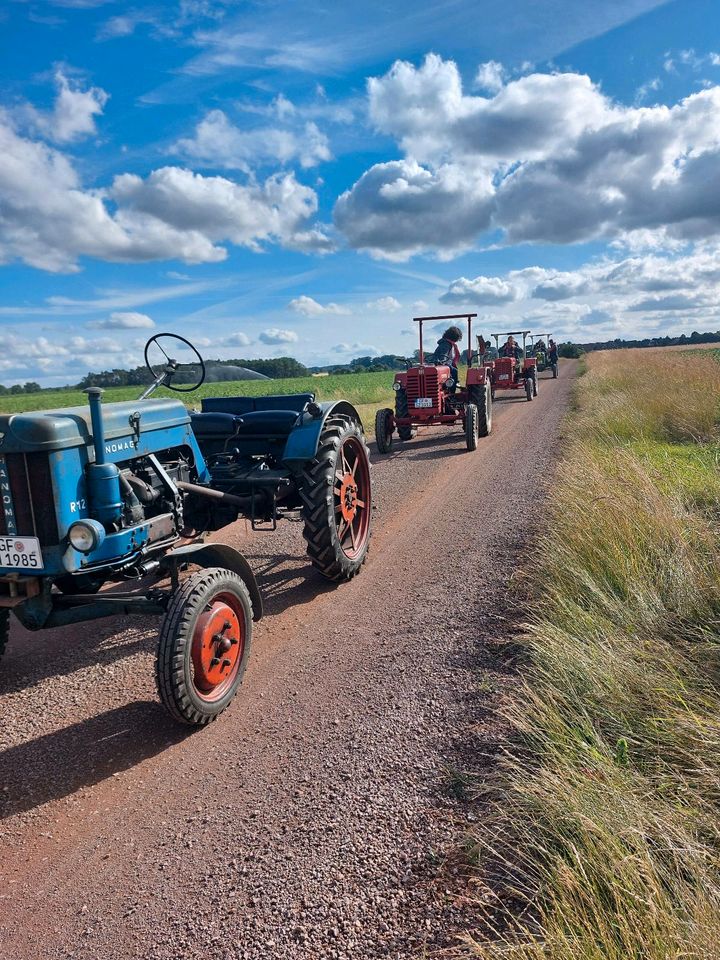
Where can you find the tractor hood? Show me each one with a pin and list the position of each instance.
(71, 427)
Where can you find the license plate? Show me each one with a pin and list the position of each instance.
(504, 376)
(20, 553)
(424, 402)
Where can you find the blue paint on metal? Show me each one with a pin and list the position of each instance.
(302, 444)
(7, 501)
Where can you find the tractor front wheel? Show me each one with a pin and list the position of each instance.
(4, 630)
(528, 388)
(535, 384)
(472, 426)
(402, 411)
(336, 498)
(484, 404)
(384, 430)
(204, 645)
(555, 371)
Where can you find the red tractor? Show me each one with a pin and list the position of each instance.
(426, 395)
(515, 372)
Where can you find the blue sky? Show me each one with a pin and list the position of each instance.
(280, 178)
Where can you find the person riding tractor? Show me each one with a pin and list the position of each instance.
(511, 348)
(447, 351)
(552, 351)
(486, 351)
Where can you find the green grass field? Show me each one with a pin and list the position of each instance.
(366, 390)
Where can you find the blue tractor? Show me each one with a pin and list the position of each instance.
(115, 494)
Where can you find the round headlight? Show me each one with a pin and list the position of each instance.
(397, 385)
(86, 535)
(449, 383)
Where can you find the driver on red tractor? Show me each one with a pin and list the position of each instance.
(511, 348)
(448, 352)
(552, 351)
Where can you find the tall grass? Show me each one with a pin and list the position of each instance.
(603, 839)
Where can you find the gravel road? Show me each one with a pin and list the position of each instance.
(313, 819)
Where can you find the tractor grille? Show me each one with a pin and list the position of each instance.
(32, 495)
(422, 382)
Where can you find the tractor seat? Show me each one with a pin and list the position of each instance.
(256, 423)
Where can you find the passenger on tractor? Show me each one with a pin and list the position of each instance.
(448, 352)
(552, 351)
(486, 351)
(540, 347)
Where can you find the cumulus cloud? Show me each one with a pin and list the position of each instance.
(238, 340)
(548, 158)
(359, 349)
(220, 143)
(560, 286)
(73, 114)
(384, 304)
(311, 308)
(123, 321)
(172, 213)
(481, 290)
(490, 76)
(273, 335)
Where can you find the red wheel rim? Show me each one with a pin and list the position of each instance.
(351, 493)
(218, 644)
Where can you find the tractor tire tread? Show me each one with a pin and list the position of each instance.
(402, 410)
(174, 638)
(316, 485)
(4, 630)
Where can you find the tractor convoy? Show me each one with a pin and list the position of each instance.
(105, 507)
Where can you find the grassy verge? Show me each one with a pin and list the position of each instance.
(603, 839)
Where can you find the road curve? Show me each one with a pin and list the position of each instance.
(309, 821)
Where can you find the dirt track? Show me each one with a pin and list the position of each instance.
(310, 821)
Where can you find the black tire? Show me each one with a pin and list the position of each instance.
(485, 412)
(204, 593)
(4, 630)
(384, 430)
(555, 371)
(528, 388)
(535, 384)
(401, 410)
(336, 547)
(472, 425)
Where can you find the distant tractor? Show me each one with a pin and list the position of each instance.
(426, 395)
(540, 350)
(515, 373)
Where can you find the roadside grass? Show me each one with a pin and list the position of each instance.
(603, 833)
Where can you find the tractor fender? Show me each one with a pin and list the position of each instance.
(218, 555)
(302, 444)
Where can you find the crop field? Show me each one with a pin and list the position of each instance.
(606, 820)
(366, 390)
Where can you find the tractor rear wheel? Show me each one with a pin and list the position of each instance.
(401, 410)
(384, 430)
(336, 498)
(555, 371)
(204, 645)
(4, 630)
(528, 388)
(485, 412)
(472, 426)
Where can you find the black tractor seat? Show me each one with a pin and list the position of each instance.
(249, 416)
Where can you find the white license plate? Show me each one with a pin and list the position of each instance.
(424, 402)
(20, 553)
(504, 376)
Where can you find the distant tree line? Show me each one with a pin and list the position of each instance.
(681, 341)
(29, 387)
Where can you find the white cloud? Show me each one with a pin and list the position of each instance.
(311, 308)
(123, 321)
(419, 305)
(490, 76)
(481, 290)
(73, 114)
(548, 159)
(357, 349)
(384, 304)
(220, 143)
(238, 340)
(273, 335)
(49, 220)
